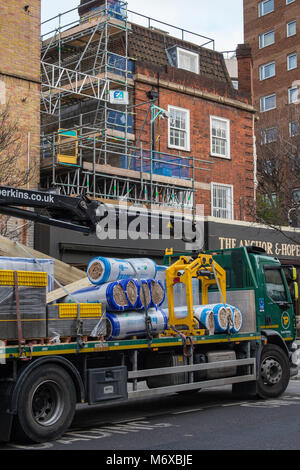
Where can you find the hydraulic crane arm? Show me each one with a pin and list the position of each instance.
(74, 213)
(79, 213)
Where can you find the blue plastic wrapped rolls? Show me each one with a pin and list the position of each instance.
(222, 317)
(129, 324)
(131, 288)
(201, 313)
(102, 270)
(206, 317)
(237, 319)
(111, 295)
(157, 292)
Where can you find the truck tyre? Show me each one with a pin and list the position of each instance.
(274, 372)
(46, 405)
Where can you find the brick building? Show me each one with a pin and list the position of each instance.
(20, 82)
(201, 153)
(272, 30)
(218, 120)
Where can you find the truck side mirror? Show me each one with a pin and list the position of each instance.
(291, 273)
(294, 289)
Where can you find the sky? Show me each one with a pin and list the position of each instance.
(221, 20)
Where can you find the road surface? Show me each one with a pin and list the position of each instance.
(209, 420)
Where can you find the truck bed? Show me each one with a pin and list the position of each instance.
(38, 350)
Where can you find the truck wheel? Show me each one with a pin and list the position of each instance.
(46, 405)
(274, 373)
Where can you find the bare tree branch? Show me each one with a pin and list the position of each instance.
(13, 172)
(278, 171)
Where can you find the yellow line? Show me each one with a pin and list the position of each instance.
(49, 352)
(270, 326)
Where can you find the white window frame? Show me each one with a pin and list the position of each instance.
(263, 100)
(290, 90)
(289, 1)
(227, 122)
(287, 28)
(190, 53)
(230, 210)
(187, 147)
(262, 69)
(261, 8)
(293, 54)
(262, 39)
(291, 134)
(267, 136)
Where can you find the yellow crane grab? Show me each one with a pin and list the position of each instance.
(183, 271)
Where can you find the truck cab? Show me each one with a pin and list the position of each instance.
(274, 291)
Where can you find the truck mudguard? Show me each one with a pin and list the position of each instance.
(273, 337)
(65, 363)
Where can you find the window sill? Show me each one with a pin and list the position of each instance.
(215, 155)
(223, 218)
(174, 147)
(265, 14)
(267, 110)
(267, 45)
(267, 78)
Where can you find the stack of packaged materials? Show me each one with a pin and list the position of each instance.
(71, 320)
(132, 289)
(126, 289)
(125, 296)
(22, 304)
(24, 314)
(215, 318)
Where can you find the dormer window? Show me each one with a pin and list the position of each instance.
(187, 60)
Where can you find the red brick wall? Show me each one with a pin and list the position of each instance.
(20, 72)
(238, 171)
(19, 38)
(20, 81)
(279, 84)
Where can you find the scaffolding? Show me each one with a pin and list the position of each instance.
(90, 142)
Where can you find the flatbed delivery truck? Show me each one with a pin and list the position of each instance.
(42, 381)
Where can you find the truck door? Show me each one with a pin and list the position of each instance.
(277, 302)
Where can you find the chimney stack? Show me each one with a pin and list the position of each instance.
(245, 70)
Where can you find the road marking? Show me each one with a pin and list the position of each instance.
(129, 420)
(108, 431)
(187, 411)
(240, 403)
(46, 445)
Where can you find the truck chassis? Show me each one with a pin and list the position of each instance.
(40, 385)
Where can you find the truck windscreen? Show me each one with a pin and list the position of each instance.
(275, 286)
